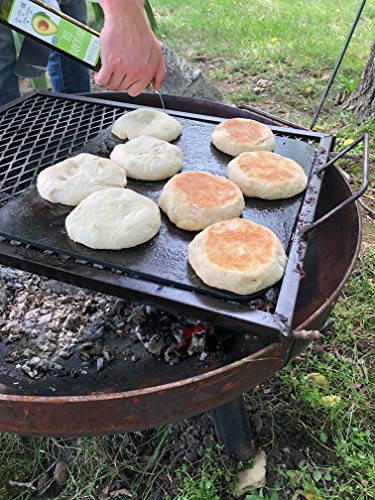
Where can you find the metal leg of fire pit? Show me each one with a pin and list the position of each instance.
(233, 429)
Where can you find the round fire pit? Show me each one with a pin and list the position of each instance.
(130, 396)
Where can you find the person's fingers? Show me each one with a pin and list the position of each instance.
(131, 78)
(138, 87)
(160, 74)
(139, 77)
(118, 76)
(104, 75)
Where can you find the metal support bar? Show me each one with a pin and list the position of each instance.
(354, 196)
(271, 117)
(338, 63)
(233, 429)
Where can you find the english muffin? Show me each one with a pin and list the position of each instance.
(148, 159)
(194, 200)
(237, 135)
(113, 219)
(266, 175)
(72, 180)
(145, 121)
(238, 256)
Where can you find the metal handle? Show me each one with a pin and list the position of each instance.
(265, 114)
(354, 196)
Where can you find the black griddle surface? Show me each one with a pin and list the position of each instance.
(30, 219)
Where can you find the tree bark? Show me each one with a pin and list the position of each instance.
(363, 98)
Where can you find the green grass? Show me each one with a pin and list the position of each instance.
(292, 44)
(249, 35)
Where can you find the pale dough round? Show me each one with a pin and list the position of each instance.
(113, 219)
(148, 159)
(194, 200)
(238, 256)
(266, 175)
(237, 135)
(72, 180)
(145, 121)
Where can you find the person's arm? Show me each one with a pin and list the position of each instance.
(131, 55)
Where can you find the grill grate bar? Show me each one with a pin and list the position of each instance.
(41, 131)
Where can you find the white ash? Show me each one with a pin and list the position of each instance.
(49, 327)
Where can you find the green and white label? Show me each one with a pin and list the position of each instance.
(54, 30)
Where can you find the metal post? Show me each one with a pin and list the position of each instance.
(329, 84)
(233, 429)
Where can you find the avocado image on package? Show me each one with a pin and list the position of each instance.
(43, 25)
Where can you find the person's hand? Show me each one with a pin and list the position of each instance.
(131, 55)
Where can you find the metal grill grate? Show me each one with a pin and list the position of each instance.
(45, 128)
(41, 131)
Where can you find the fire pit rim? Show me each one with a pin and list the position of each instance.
(255, 357)
(331, 299)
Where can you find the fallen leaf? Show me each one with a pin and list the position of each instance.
(330, 401)
(254, 477)
(262, 82)
(308, 91)
(121, 492)
(60, 474)
(317, 379)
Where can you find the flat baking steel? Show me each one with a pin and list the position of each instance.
(30, 219)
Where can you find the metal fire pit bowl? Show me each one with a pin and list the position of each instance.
(149, 393)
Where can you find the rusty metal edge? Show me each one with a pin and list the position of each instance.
(273, 351)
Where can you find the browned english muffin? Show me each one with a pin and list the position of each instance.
(237, 135)
(267, 175)
(194, 200)
(237, 255)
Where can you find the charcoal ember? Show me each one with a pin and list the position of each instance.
(169, 337)
(272, 294)
(107, 354)
(90, 350)
(120, 306)
(3, 298)
(95, 330)
(198, 342)
(72, 322)
(171, 355)
(154, 345)
(99, 364)
(13, 337)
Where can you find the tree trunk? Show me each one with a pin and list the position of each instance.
(363, 97)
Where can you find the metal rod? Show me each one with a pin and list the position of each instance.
(274, 118)
(338, 63)
(353, 197)
(233, 429)
(344, 151)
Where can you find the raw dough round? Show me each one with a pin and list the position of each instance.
(266, 175)
(72, 180)
(145, 121)
(194, 200)
(113, 219)
(148, 159)
(237, 135)
(237, 255)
